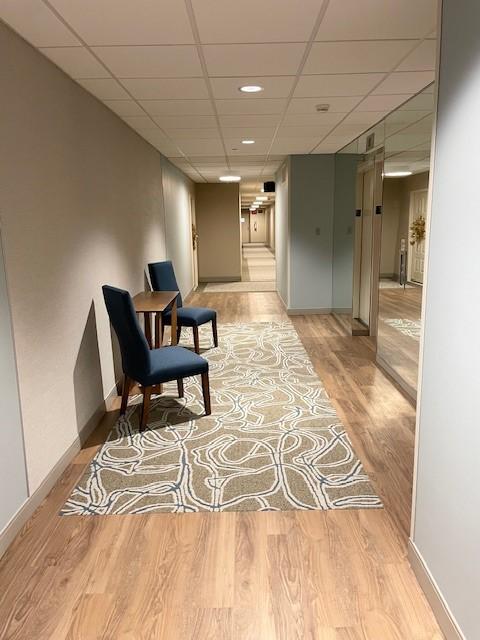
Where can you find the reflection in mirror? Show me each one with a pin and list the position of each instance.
(408, 132)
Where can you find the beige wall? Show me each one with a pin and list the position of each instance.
(82, 205)
(395, 222)
(218, 224)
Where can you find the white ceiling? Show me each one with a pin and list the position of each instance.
(172, 70)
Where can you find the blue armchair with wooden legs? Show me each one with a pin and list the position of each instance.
(149, 367)
(162, 277)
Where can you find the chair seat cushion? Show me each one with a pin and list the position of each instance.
(172, 363)
(191, 316)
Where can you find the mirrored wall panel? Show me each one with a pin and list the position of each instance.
(408, 133)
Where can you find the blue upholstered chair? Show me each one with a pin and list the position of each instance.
(149, 367)
(162, 277)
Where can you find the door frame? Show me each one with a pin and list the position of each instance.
(410, 221)
(374, 161)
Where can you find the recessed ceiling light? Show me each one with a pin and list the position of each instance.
(251, 88)
(248, 141)
(397, 174)
(230, 178)
(262, 198)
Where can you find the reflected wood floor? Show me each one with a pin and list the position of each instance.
(300, 575)
(397, 349)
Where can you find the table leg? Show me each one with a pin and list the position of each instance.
(173, 327)
(158, 330)
(148, 328)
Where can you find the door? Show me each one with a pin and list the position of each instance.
(366, 246)
(245, 222)
(13, 477)
(257, 227)
(418, 210)
(194, 243)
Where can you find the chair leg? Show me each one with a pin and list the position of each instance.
(196, 340)
(215, 333)
(180, 388)
(127, 385)
(206, 393)
(147, 392)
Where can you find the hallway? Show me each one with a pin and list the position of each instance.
(278, 575)
(258, 272)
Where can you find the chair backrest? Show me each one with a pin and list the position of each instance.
(133, 345)
(162, 277)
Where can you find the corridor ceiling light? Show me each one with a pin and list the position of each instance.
(397, 174)
(262, 198)
(251, 88)
(248, 141)
(230, 178)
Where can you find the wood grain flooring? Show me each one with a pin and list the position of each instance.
(400, 351)
(306, 575)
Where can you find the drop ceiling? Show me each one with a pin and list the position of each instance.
(172, 70)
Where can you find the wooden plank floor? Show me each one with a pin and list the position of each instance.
(306, 575)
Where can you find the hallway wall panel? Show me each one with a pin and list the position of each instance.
(81, 205)
(447, 516)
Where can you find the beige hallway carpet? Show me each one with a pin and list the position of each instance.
(258, 264)
(273, 441)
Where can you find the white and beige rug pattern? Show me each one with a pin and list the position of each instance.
(273, 441)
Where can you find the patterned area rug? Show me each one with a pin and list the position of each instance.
(273, 441)
(411, 328)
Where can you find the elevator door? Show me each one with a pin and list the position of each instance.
(366, 247)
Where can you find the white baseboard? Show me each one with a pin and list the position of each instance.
(308, 312)
(444, 616)
(9, 532)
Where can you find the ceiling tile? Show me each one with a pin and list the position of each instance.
(356, 57)
(313, 132)
(252, 106)
(312, 119)
(337, 85)
(201, 147)
(110, 22)
(104, 88)
(124, 107)
(378, 19)
(245, 59)
(382, 103)
(337, 104)
(36, 23)
(186, 122)
(248, 120)
(78, 62)
(351, 130)
(366, 118)
(243, 133)
(167, 88)
(195, 134)
(273, 87)
(177, 107)
(327, 148)
(292, 145)
(140, 123)
(423, 58)
(253, 21)
(151, 62)
(235, 147)
(405, 82)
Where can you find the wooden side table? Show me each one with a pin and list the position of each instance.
(154, 303)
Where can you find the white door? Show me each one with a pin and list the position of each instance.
(418, 208)
(366, 248)
(257, 227)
